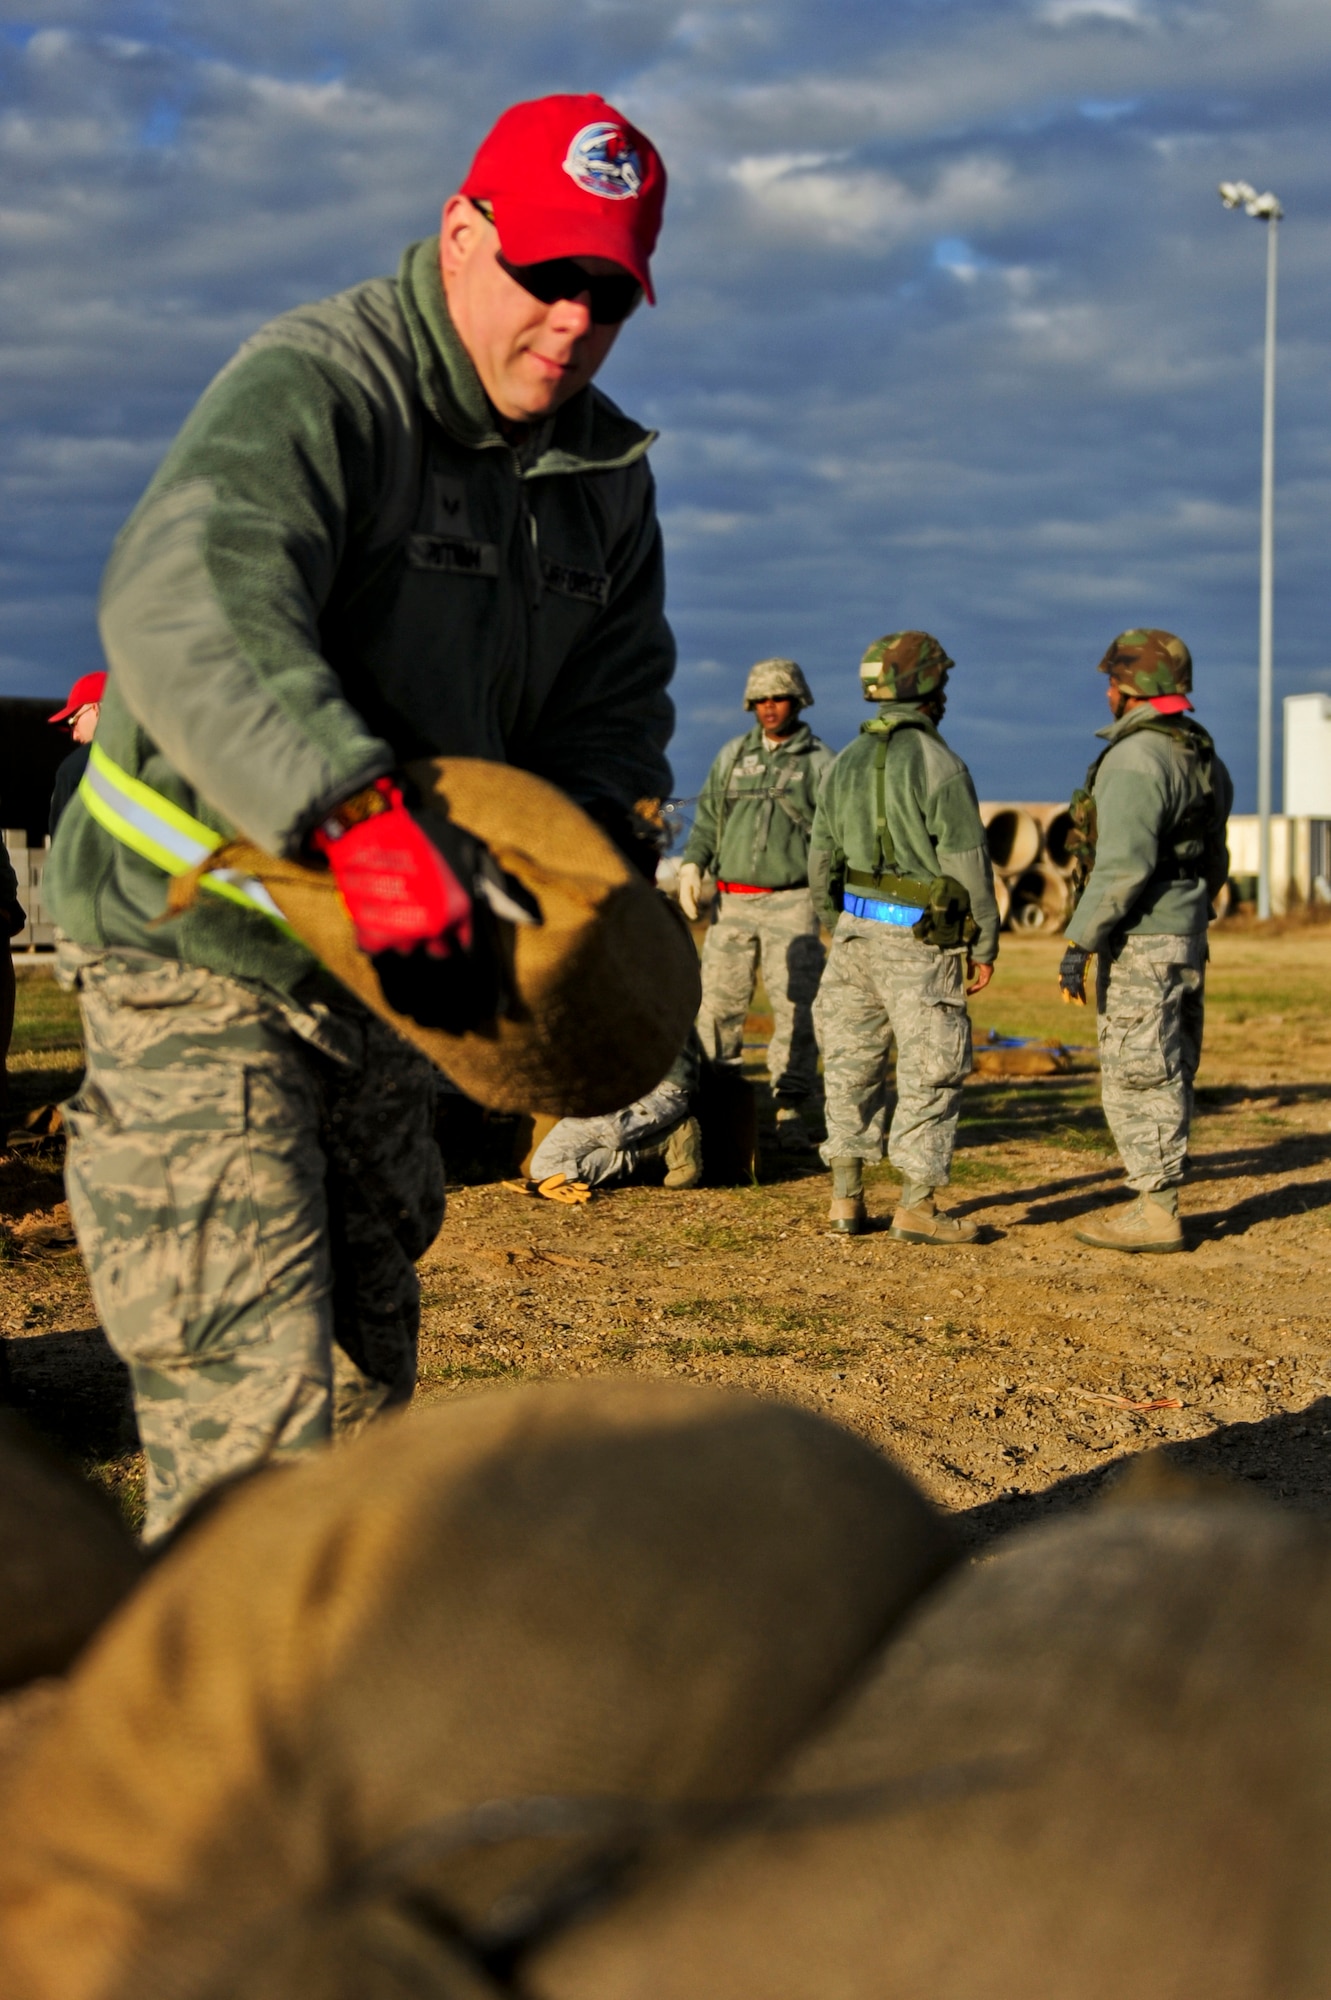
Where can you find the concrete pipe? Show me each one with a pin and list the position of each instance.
(1003, 898)
(1040, 900)
(1057, 829)
(1014, 839)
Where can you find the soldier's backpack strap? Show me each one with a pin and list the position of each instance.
(726, 805)
(945, 906)
(885, 856)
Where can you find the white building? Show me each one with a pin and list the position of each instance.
(1308, 756)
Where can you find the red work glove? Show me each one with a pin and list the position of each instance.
(425, 898)
(401, 889)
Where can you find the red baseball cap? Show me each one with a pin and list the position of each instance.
(570, 177)
(86, 689)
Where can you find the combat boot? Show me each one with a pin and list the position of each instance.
(921, 1223)
(683, 1155)
(846, 1216)
(1144, 1225)
(791, 1134)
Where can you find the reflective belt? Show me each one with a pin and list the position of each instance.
(141, 819)
(756, 888)
(901, 914)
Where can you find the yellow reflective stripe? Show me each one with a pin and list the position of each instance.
(163, 833)
(152, 804)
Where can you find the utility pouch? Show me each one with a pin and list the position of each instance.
(947, 921)
(1082, 837)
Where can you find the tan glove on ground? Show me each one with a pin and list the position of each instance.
(690, 888)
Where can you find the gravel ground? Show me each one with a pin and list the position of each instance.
(999, 1375)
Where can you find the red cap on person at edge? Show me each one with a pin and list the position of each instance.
(570, 177)
(87, 689)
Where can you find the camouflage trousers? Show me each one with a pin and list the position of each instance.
(1149, 999)
(780, 928)
(251, 1182)
(882, 982)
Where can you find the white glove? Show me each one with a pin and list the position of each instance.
(690, 888)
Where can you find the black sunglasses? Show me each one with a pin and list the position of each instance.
(611, 299)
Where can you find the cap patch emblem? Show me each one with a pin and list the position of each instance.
(602, 161)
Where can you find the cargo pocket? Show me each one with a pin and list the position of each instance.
(163, 1196)
(1132, 1034)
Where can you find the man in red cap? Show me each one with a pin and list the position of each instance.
(80, 711)
(400, 522)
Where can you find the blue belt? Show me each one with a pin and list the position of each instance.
(900, 914)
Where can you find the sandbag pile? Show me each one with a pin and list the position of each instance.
(387, 1716)
(631, 1691)
(1095, 1767)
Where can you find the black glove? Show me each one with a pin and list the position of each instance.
(1072, 976)
(13, 917)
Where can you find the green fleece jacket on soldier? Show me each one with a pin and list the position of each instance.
(1146, 782)
(342, 564)
(755, 812)
(933, 822)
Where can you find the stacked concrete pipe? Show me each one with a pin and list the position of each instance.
(1032, 866)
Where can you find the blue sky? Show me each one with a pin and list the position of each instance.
(953, 329)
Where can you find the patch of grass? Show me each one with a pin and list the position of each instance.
(124, 1480)
(983, 1172)
(484, 1368)
(45, 1016)
(759, 1331)
(754, 1346)
(717, 1236)
(1062, 1114)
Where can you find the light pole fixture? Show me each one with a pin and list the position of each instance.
(1265, 208)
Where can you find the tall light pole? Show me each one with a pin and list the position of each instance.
(1265, 207)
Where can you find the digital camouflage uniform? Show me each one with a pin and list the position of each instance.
(753, 823)
(881, 981)
(341, 564)
(252, 1182)
(1145, 909)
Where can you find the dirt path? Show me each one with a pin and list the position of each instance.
(998, 1375)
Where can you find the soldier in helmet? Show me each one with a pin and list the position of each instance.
(898, 862)
(1151, 851)
(752, 829)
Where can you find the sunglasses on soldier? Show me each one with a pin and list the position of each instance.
(610, 299)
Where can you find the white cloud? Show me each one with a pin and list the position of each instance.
(803, 194)
(1076, 13)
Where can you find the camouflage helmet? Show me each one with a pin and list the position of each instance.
(1149, 663)
(776, 680)
(905, 666)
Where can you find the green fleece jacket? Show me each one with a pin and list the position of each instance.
(341, 564)
(1146, 782)
(933, 822)
(755, 812)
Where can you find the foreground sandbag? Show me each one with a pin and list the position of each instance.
(478, 1657)
(66, 1557)
(608, 981)
(1096, 1767)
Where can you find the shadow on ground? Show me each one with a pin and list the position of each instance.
(73, 1388)
(1286, 1458)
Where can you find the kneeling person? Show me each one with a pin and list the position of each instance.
(898, 862)
(754, 819)
(1151, 822)
(661, 1125)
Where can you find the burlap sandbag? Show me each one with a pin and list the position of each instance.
(1095, 1767)
(66, 1557)
(608, 982)
(482, 1654)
